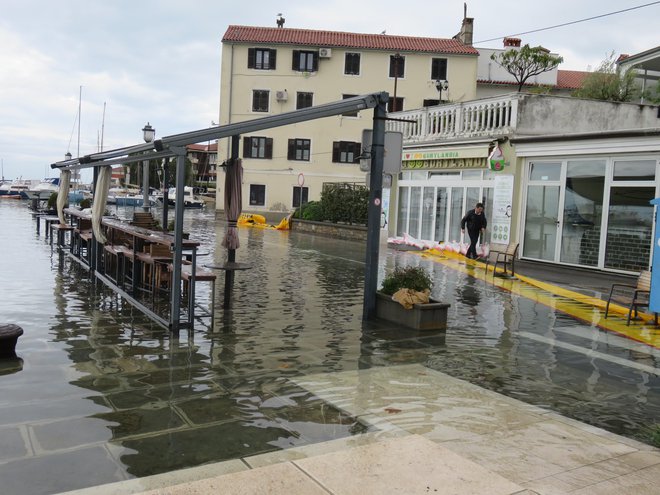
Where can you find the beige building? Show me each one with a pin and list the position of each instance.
(267, 71)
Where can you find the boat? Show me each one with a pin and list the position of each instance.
(78, 195)
(17, 187)
(4, 187)
(126, 197)
(43, 190)
(190, 200)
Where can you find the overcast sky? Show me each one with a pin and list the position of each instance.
(159, 61)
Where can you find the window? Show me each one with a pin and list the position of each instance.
(296, 196)
(352, 64)
(634, 170)
(257, 194)
(430, 103)
(304, 100)
(261, 58)
(257, 147)
(299, 149)
(397, 65)
(439, 69)
(399, 104)
(349, 114)
(260, 99)
(345, 152)
(305, 61)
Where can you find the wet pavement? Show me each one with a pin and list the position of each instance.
(100, 394)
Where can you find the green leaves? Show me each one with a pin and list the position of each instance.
(409, 277)
(526, 62)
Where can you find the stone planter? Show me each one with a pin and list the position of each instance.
(430, 316)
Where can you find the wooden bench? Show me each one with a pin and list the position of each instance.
(505, 257)
(632, 296)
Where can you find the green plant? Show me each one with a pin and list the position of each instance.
(409, 277)
(313, 211)
(654, 435)
(85, 203)
(52, 201)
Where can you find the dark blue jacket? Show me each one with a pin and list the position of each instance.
(473, 221)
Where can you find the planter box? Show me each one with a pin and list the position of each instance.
(430, 316)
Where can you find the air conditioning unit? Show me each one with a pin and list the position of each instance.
(281, 95)
(325, 52)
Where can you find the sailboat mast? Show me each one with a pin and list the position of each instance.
(102, 126)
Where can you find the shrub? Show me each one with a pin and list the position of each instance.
(52, 201)
(313, 211)
(409, 277)
(85, 203)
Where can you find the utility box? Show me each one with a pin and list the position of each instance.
(654, 298)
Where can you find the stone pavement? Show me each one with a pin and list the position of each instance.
(433, 433)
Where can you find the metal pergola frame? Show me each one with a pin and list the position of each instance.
(175, 146)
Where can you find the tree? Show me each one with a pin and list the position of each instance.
(526, 62)
(608, 83)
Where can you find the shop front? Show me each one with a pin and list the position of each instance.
(586, 203)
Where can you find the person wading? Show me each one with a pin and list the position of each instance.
(476, 223)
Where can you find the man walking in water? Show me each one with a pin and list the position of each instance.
(475, 221)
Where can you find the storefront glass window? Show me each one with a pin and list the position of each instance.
(545, 171)
(441, 214)
(415, 210)
(634, 170)
(427, 213)
(456, 213)
(471, 174)
(540, 238)
(583, 211)
(629, 228)
(402, 216)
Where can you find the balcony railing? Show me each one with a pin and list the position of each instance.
(486, 117)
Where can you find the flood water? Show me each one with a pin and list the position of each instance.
(102, 394)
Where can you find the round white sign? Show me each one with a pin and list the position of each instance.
(301, 179)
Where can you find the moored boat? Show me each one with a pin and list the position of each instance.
(190, 200)
(43, 190)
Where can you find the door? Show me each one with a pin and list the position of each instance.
(540, 237)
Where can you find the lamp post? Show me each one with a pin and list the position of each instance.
(441, 85)
(397, 57)
(148, 133)
(68, 156)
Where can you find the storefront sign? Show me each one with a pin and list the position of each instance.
(500, 231)
(446, 154)
(436, 164)
(496, 159)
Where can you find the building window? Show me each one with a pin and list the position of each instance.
(261, 58)
(296, 196)
(260, 99)
(391, 107)
(439, 69)
(257, 194)
(305, 61)
(304, 100)
(257, 147)
(397, 65)
(349, 114)
(352, 64)
(345, 152)
(299, 149)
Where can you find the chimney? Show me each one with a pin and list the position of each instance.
(467, 30)
(511, 42)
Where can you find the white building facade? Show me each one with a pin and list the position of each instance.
(266, 71)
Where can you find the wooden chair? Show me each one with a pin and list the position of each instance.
(632, 296)
(506, 258)
(154, 261)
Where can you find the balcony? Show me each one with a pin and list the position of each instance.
(490, 117)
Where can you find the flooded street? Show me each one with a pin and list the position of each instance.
(101, 394)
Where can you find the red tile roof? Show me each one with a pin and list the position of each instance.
(570, 79)
(329, 39)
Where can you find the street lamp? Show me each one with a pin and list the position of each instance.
(68, 156)
(148, 133)
(441, 85)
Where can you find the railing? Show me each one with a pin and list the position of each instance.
(488, 116)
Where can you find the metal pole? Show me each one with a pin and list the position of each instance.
(375, 207)
(166, 186)
(145, 185)
(231, 253)
(175, 311)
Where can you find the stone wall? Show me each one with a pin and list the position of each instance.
(338, 231)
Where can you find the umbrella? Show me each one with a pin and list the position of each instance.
(233, 202)
(100, 198)
(63, 194)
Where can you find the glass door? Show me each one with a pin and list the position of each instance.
(540, 236)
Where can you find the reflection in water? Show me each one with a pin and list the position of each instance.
(102, 383)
